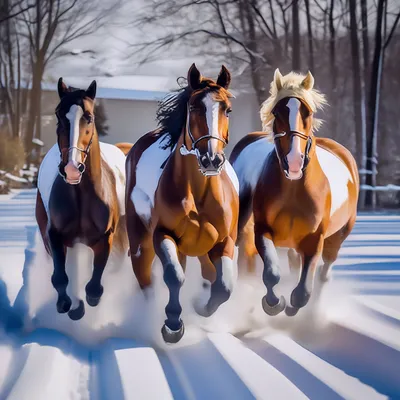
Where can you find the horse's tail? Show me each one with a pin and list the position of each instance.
(247, 247)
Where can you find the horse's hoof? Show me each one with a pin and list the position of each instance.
(171, 336)
(78, 312)
(291, 311)
(92, 301)
(273, 310)
(63, 304)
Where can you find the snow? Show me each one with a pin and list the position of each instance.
(344, 344)
(15, 178)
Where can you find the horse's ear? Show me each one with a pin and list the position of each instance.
(308, 81)
(62, 88)
(91, 90)
(224, 77)
(194, 77)
(278, 79)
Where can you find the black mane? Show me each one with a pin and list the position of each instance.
(171, 114)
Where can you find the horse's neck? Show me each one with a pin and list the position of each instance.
(186, 172)
(94, 169)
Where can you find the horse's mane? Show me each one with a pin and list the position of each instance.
(291, 87)
(171, 114)
(172, 110)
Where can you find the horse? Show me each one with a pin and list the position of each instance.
(182, 195)
(80, 196)
(297, 191)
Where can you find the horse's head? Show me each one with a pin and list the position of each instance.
(208, 119)
(289, 113)
(75, 129)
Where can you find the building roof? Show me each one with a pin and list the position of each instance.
(128, 87)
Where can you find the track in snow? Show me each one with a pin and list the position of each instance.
(346, 345)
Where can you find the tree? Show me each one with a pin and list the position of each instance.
(358, 93)
(10, 69)
(381, 44)
(48, 27)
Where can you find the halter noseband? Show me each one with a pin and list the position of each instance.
(205, 158)
(284, 161)
(81, 166)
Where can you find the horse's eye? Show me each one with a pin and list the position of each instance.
(192, 108)
(228, 111)
(89, 118)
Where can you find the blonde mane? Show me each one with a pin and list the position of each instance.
(291, 85)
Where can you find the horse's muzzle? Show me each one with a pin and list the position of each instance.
(70, 173)
(211, 166)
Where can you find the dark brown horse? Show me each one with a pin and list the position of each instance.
(182, 195)
(80, 198)
(300, 192)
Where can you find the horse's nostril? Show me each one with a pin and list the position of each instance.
(205, 161)
(302, 156)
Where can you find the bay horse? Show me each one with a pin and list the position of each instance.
(81, 195)
(182, 195)
(297, 191)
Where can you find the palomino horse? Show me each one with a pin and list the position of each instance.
(182, 195)
(300, 191)
(81, 195)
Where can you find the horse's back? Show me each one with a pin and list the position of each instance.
(248, 158)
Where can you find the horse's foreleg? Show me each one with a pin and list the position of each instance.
(166, 249)
(271, 304)
(59, 278)
(101, 250)
(222, 258)
(312, 248)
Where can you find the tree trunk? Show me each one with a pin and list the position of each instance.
(332, 64)
(365, 41)
(373, 106)
(35, 96)
(310, 37)
(358, 98)
(296, 62)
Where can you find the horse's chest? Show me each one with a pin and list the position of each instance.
(201, 227)
(77, 215)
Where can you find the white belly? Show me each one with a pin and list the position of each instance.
(48, 172)
(338, 176)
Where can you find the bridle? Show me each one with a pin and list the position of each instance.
(82, 165)
(283, 158)
(204, 161)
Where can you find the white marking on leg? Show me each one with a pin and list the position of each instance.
(72, 266)
(227, 273)
(325, 271)
(169, 248)
(212, 116)
(74, 116)
(338, 176)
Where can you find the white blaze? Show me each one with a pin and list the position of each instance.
(294, 106)
(212, 116)
(74, 116)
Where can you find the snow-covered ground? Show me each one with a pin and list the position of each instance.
(345, 344)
